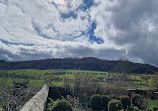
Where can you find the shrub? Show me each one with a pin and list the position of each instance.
(136, 99)
(151, 109)
(143, 104)
(74, 101)
(105, 102)
(114, 96)
(155, 108)
(96, 102)
(114, 105)
(126, 102)
(62, 105)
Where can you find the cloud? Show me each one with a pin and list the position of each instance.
(108, 29)
(130, 25)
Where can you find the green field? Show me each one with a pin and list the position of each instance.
(37, 77)
(58, 73)
(153, 103)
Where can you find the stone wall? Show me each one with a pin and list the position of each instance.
(37, 103)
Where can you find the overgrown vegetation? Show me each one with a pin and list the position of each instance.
(62, 105)
(96, 102)
(114, 105)
(12, 97)
(82, 85)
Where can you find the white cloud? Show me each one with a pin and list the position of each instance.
(37, 29)
(17, 22)
(65, 6)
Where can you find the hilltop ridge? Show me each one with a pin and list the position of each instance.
(87, 63)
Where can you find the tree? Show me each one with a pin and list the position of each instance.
(143, 104)
(96, 102)
(119, 81)
(126, 102)
(105, 102)
(84, 85)
(137, 99)
(154, 80)
(114, 105)
(67, 83)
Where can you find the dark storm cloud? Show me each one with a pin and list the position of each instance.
(137, 23)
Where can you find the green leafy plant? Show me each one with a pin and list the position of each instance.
(105, 102)
(62, 105)
(74, 101)
(139, 101)
(114, 105)
(126, 102)
(136, 99)
(96, 102)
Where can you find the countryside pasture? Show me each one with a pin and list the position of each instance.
(37, 78)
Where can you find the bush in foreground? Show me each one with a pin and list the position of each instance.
(126, 102)
(62, 105)
(96, 102)
(105, 102)
(114, 105)
(137, 99)
(143, 104)
(155, 108)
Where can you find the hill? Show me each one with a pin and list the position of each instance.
(87, 63)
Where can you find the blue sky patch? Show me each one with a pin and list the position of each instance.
(87, 4)
(68, 15)
(12, 43)
(92, 37)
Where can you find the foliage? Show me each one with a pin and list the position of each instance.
(74, 101)
(105, 102)
(96, 102)
(84, 85)
(62, 105)
(153, 103)
(119, 82)
(142, 105)
(114, 105)
(126, 102)
(154, 80)
(155, 108)
(136, 99)
(139, 101)
(113, 96)
(16, 96)
(67, 83)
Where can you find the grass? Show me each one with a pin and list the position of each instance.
(153, 103)
(58, 73)
(138, 81)
(36, 83)
(39, 75)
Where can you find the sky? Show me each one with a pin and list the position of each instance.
(106, 29)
